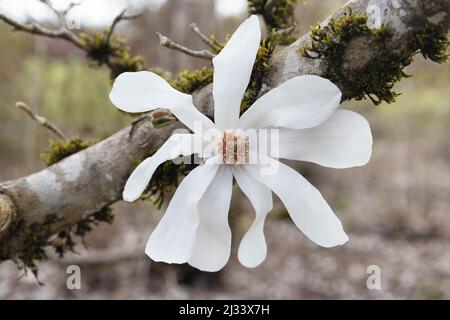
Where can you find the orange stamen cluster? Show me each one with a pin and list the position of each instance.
(234, 148)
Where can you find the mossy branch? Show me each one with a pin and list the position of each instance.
(376, 79)
(101, 47)
(91, 179)
(279, 16)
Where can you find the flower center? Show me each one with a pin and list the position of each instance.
(234, 148)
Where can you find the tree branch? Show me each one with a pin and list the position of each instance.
(168, 43)
(101, 47)
(34, 28)
(90, 179)
(41, 120)
(204, 37)
(120, 17)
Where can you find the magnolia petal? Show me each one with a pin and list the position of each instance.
(213, 241)
(176, 145)
(306, 206)
(343, 141)
(299, 103)
(232, 69)
(145, 91)
(253, 248)
(173, 239)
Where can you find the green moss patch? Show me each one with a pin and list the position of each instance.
(61, 149)
(376, 79)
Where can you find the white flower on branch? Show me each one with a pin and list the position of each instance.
(194, 228)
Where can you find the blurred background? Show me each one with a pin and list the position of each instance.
(396, 209)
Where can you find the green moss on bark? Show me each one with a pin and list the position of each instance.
(279, 16)
(103, 48)
(64, 240)
(376, 79)
(61, 149)
(188, 81)
(31, 240)
(260, 68)
(165, 179)
(432, 42)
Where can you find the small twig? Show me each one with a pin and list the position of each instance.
(111, 58)
(168, 43)
(70, 7)
(204, 37)
(59, 14)
(41, 120)
(120, 17)
(37, 29)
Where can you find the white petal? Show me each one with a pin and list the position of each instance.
(213, 241)
(174, 237)
(232, 70)
(299, 103)
(253, 248)
(176, 145)
(343, 141)
(306, 206)
(145, 91)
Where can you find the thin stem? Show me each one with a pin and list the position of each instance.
(41, 120)
(204, 37)
(168, 43)
(120, 17)
(37, 29)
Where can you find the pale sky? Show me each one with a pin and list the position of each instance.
(99, 12)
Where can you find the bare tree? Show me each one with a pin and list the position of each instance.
(363, 62)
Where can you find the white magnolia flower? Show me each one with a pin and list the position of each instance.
(194, 228)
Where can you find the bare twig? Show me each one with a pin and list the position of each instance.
(41, 120)
(120, 17)
(37, 29)
(168, 43)
(70, 7)
(204, 37)
(59, 14)
(63, 32)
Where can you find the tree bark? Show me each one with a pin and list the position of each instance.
(93, 178)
